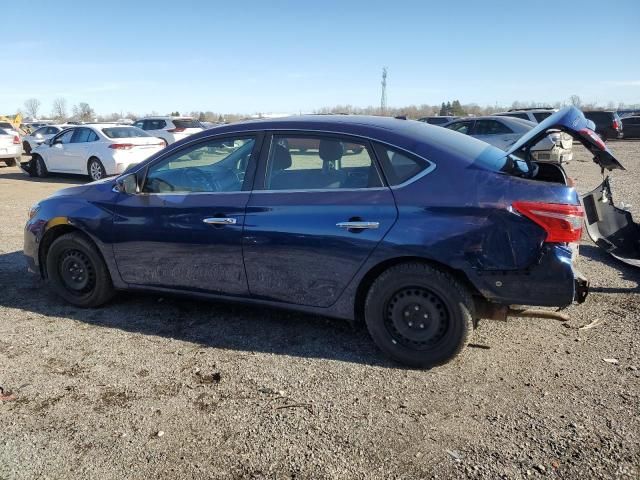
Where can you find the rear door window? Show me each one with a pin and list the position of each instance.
(539, 116)
(490, 127)
(298, 162)
(462, 127)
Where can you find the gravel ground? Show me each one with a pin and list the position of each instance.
(174, 388)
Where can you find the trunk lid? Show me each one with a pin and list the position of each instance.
(572, 121)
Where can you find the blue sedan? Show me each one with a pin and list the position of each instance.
(416, 229)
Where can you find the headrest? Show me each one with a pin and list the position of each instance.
(330, 150)
(281, 158)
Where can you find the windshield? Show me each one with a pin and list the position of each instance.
(124, 132)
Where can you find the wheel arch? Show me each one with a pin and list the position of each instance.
(54, 233)
(375, 271)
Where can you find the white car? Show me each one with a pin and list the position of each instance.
(10, 147)
(504, 131)
(31, 142)
(536, 115)
(94, 150)
(170, 129)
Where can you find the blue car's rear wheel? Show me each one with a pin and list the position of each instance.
(77, 272)
(419, 315)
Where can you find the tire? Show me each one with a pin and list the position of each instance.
(26, 147)
(11, 162)
(95, 169)
(418, 315)
(77, 273)
(40, 168)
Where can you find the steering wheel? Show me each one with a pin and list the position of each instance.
(199, 180)
(157, 182)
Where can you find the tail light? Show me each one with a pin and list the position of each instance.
(122, 146)
(16, 140)
(615, 125)
(176, 130)
(594, 137)
(563, 223)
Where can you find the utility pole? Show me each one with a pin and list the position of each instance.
(383, 98)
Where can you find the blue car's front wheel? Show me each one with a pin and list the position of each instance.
(77, 272)
(419, 315)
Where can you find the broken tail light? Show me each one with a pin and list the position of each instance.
(563, 223)
(594, 137)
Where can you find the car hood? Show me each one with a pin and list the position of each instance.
(572, 121)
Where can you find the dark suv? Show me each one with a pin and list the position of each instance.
(608, 124)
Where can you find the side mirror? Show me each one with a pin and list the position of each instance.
(128, 184)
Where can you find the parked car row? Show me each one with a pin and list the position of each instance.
(608, 124)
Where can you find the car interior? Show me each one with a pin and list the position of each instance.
(325, 167)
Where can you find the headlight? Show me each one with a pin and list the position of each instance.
(34, 210)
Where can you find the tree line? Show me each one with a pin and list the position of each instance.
(83, 112)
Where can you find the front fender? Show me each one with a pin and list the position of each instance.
(58, 215)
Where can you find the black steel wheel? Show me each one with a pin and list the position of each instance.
(76, 271)
(416, 317)
(419, 315)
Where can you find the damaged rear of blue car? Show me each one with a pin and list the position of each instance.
(418, 230)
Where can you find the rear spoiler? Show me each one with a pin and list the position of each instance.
(572, 121)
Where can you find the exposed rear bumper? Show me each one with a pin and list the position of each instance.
(551, 282)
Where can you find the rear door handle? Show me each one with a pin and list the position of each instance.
(220, 221)
(358, 225)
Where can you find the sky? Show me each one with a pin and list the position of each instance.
(298, 56)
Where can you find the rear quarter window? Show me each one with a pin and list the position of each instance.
(399, 166)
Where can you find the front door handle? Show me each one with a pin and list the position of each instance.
(358, 225)
(220, 221)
